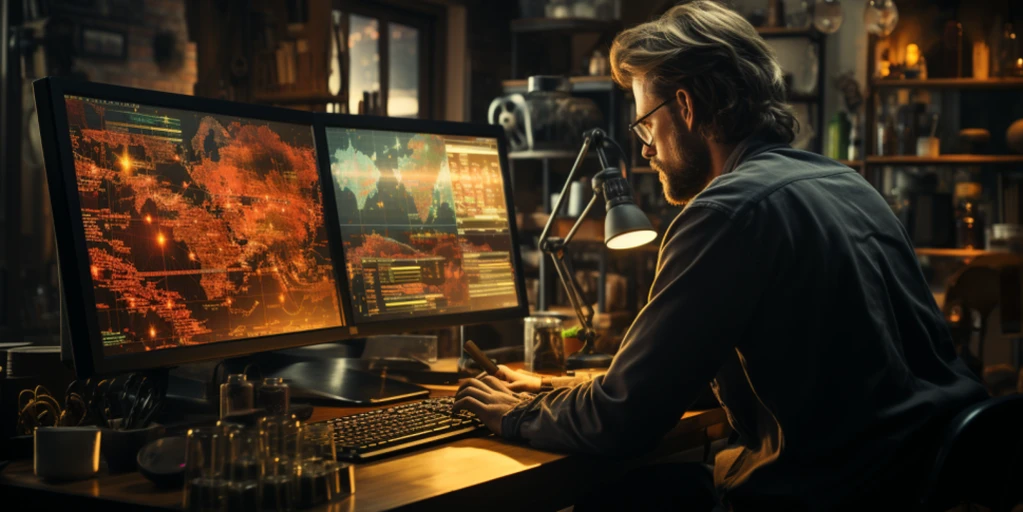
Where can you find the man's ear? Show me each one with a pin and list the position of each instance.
(685, 105)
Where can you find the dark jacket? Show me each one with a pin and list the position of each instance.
(790, 285)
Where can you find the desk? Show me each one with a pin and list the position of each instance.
(463, 474)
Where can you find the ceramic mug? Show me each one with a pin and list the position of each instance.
(66, 453)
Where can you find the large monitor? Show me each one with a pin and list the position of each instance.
(191, 229)
(187, 229)
(424, 215)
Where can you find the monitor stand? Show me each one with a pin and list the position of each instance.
(329, 373)
(344, 381)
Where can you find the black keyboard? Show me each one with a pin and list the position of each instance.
(372, 434)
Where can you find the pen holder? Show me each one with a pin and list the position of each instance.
(121, 447)
(66, 453)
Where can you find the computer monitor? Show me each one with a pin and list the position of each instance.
(187, 229)
(191, 229)
(425, 219)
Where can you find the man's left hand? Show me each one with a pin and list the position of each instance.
(488, 398)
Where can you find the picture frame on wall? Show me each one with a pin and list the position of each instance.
(103, 43)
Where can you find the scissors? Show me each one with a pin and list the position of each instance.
(140, 399)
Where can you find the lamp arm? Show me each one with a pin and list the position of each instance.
(588, 140)
(579, 221)
(582, 311)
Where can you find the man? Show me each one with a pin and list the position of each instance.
(786, 281)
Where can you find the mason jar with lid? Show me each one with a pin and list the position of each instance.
(544, 346)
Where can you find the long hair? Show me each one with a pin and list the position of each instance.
(730, 73)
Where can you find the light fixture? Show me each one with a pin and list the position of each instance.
(625, 227)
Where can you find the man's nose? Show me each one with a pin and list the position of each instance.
(649, 151)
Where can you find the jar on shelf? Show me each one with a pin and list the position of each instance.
(969, 217)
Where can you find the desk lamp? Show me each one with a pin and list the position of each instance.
(625, 227)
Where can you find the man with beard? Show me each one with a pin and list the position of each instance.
(786, 281)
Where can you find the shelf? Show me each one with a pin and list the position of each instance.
(524, 25)
(579, 84)
(550, 154)
(951, 253)
(787, 32)
(297, 98)
(855, 164)
(951, 83)
(946, 160)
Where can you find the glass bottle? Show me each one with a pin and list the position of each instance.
(952, 50)
(235, 395)
(969, 219)
(274, 395)
(1010, 56)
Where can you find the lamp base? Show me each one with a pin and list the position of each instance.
(583, 359)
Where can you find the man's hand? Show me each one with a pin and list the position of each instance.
(489, 399)
(518, 381)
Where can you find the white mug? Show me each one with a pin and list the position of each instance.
(66, 453)
(928, 146)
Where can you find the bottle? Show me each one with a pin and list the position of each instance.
(838, 136)
(235, 395)
(952, 50)
(968, 217)
(855, 151)
(274, 395)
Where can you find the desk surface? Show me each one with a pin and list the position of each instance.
(458, 473)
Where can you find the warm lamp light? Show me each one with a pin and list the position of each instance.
(912, 54)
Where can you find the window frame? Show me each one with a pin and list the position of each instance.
(426, 20)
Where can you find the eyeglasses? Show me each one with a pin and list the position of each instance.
(643, 131)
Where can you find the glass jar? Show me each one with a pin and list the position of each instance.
(235, 395)
(544, 346)
(274, 395)
(969, 219)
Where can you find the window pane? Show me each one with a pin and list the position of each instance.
(403, 86)
(334, 80)
(364, 59)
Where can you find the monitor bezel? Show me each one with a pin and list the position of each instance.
(73, 259)
(390, 324)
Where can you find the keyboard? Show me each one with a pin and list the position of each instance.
(372, 434)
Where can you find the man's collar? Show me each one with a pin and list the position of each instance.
(749, 147)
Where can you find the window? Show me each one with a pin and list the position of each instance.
(384, 56)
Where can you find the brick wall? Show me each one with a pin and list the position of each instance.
(140, 69)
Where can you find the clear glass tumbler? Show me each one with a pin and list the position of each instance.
(280, 442)
(205, 451)
(243, 470)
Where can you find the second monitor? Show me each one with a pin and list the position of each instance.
(424, 223)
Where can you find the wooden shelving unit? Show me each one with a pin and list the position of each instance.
(296, 98)
(949, 83)
(947, 160)
(579, 84)
(950, 253)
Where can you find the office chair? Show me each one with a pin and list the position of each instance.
(980, 460)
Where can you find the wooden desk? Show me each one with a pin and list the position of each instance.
(478, 473)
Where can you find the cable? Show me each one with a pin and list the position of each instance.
(621, 155)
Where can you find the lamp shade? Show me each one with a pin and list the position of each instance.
(626, 226)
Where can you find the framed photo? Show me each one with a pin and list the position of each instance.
(103, 43)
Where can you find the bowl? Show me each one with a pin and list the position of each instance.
(163, 462)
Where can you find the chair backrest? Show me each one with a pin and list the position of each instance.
(980, 459)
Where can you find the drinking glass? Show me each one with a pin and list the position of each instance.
(205, 449)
